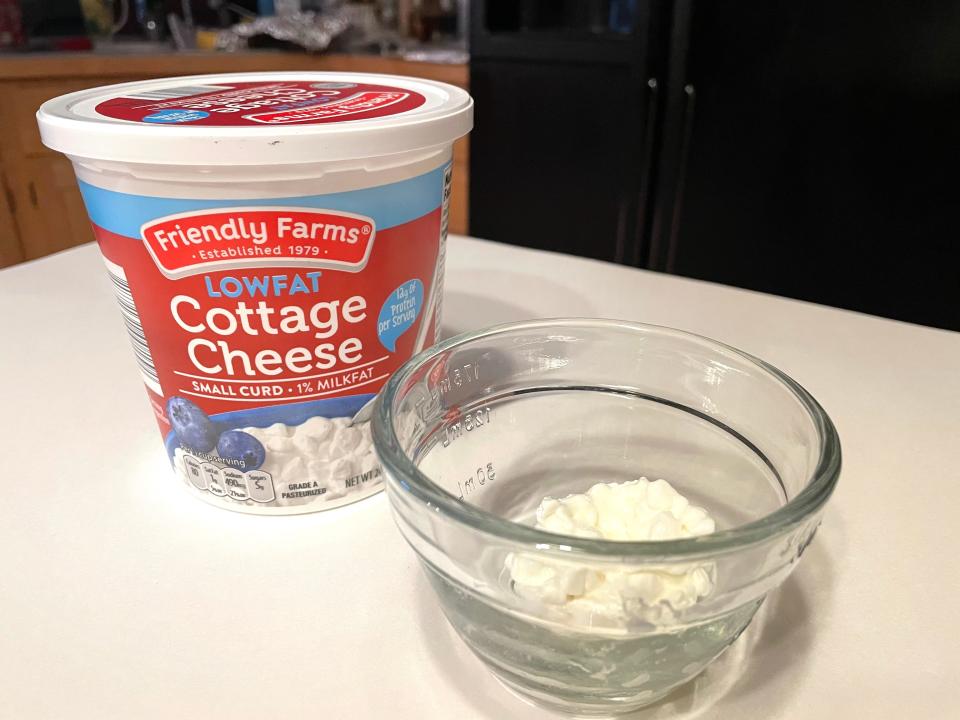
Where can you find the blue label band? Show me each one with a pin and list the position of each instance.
(388, 205)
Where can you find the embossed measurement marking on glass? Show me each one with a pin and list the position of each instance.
(469, 422)
(437, 388)
(458, 376)
(482, 475)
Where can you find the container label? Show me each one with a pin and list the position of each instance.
(209, 240)
(260, 328)
(282, 102)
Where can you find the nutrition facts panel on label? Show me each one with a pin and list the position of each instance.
(229, 482)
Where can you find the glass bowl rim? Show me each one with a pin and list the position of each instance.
(814, 495)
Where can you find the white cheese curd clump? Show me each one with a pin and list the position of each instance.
(615, 596)
(319, 453)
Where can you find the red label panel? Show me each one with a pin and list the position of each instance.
(358, 104)
(217, 336)
(281, 102)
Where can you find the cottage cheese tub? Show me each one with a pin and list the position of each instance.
(276, 245)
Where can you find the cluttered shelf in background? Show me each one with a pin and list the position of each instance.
(41, 211)
(165, 62)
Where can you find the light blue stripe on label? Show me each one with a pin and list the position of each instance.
(388, 205)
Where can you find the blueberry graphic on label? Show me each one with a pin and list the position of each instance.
(399, 312)
(193, 428)
(241, 450)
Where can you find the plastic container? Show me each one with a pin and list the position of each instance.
(276, 244)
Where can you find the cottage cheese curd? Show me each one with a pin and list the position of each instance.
(630, 511)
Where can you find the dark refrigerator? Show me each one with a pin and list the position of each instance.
(802, 149)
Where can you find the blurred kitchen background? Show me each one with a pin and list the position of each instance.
(809, 149)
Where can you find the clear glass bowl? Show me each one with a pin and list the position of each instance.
(474, 432)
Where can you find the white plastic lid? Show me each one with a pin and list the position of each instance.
(256, 118)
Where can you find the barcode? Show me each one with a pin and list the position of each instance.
(175, 93)
(131, 318)
(442, 257)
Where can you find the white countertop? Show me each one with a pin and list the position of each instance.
(123, 597)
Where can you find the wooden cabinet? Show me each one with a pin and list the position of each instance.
(41, 210)
(459, 201)
(11, 252)
(49, 211)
